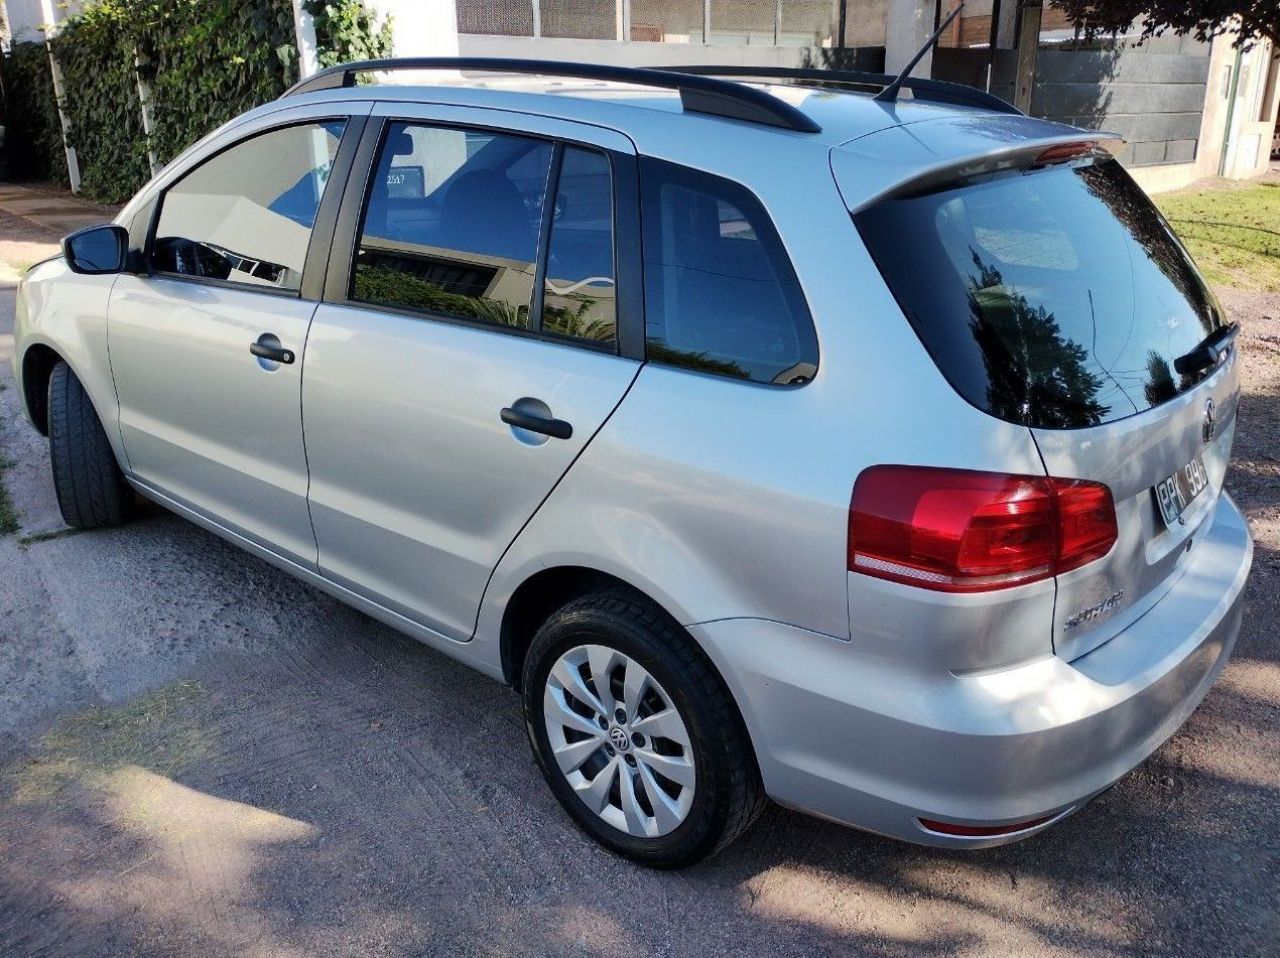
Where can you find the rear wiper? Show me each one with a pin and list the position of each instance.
(1210, 350)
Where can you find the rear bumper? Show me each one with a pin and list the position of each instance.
(874, 744)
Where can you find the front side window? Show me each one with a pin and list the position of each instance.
(451, 224)
(246, 215)
(720, 293)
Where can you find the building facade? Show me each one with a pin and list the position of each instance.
(1186, 109)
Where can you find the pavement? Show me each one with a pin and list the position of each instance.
(34, 218)
(200, 756)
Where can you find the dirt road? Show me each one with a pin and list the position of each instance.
(201, 756)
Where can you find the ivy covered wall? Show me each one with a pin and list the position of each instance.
(33, 134)
(205, 62)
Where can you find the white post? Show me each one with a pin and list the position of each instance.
(144, 101)
(59, 94)
(910, 23)
(304, 28)
(422, 28)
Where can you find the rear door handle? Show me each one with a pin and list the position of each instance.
(277, 354)
(555, 428)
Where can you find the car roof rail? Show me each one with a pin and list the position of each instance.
(698, 93)
(922, 88)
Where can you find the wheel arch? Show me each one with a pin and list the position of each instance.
(533, 602)
(37, 366)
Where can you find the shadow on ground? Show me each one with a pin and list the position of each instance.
(252, 768)
(361, 794)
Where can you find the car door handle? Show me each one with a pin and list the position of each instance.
(277, 354)
(555, 428)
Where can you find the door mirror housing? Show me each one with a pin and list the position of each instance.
(97, 250)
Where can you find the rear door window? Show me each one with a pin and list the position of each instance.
(1050, 298)
(451, 224)
(578, 298)
(721, 296)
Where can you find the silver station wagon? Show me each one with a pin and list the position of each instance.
(772, 435)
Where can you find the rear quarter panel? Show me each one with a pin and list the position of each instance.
(721, 499)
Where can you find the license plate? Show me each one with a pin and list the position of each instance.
(1177, 492)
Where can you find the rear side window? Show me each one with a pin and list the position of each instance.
(1051, 298)
(245, 216)
(721, 296)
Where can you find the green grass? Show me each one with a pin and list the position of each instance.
(1232, 230)
(157, 731)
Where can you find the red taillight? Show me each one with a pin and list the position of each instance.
(954, 530)
(1086, 522)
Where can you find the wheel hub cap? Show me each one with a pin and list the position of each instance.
(619, 741)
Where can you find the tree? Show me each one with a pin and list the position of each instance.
(1206, 19)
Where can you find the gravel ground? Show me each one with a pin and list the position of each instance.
(201, 756)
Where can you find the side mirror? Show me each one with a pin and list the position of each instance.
(97, 250)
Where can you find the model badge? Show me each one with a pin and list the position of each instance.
(1109, 604)
(1210, 427)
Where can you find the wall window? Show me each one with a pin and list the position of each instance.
(720, 293)
(579, 19)
(667, 21)
(509, 18)
(579, 288)
(451, 224)
(246, 215)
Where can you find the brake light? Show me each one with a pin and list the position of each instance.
(1063, 152)
(955, 530)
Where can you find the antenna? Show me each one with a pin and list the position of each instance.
(890, 93)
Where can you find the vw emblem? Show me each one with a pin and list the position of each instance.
(619, 738)
(1210, 427)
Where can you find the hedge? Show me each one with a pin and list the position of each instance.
(205, 62)
(33, 134)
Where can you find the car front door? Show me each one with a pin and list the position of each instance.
(206, 343)
(479, 326)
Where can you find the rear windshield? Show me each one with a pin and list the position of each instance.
(1051, 298)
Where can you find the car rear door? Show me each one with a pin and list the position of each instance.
(205, 344)
(481, 322)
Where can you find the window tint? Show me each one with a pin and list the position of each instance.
(1055, 298)
(451, 224)
(579, 288)
(720, 293)
(246, 215)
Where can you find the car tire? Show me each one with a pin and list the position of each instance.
(675, 695)
(91, 489)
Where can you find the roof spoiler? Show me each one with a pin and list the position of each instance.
(865, 184)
